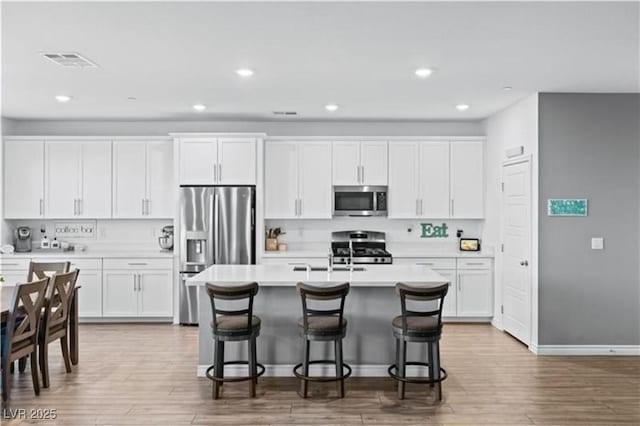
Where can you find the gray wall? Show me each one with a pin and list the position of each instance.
(272, 128)
(589, 148)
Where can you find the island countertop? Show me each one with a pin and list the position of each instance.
(284, 276)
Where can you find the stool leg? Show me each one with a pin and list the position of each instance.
(431, 357)
(218, 367)
(252, 366)
(305, 367)
(436, 366)
(402, 358)
(339, 367)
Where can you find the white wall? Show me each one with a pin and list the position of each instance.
(514, 126)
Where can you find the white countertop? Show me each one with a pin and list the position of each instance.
(284, 276)
(399, 253)
(97, 253)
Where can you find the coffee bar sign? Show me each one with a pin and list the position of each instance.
(75, 229)
(430, 230)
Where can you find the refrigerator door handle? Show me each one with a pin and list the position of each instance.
(215, 234)
(210, 249)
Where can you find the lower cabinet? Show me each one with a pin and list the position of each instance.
(475, 293)
(90, 294)
(137, 293)
(449, 309)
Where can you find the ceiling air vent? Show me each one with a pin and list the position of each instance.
(289, 113)
(70, 60)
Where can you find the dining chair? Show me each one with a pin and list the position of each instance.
(20, 335)
(55, 320)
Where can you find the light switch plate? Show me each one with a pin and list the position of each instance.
(597, 243)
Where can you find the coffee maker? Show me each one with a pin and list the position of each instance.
(23, 239)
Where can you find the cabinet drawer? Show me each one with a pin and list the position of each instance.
(138, 264)
(474, 263)
(435, 262)
(9, 264)
(82, 264)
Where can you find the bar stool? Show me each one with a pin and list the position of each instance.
(234, 326)
(323, 325)
(419, 327)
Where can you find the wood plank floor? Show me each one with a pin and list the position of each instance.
(145, 374)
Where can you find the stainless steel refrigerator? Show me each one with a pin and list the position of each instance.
(217, 227)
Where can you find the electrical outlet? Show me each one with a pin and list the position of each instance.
(597, 243)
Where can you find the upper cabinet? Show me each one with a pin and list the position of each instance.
(217, 161)
(78, 179)
(298, 180)
(142, 179)
(23, 179)
(467, 180)
(360, 163)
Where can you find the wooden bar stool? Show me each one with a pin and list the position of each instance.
(234, 326)
(322, 325)
(420, 327)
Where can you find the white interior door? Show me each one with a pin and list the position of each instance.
(346, 161)
(23, 179)
(280, 180)
(516, 234)
(95, 184)
(434, 180)
(159, 180)
(129, 179)
(374, 161)
(237, 161)
(403, 180)
(315, 180)
(62, 182)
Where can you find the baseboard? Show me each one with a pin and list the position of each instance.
(497, 323)
(286, 370)
(586, 350)
(466, 319)
(124, 320)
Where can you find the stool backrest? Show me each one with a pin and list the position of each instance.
(421, 294)
(245, 291)
(21, 336)
(310, 292)
(40, 270)
(58, 304)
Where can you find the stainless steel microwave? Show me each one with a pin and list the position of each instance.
(359, 200)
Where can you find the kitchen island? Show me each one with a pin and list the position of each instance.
(369, 309)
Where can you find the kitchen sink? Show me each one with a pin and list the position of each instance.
(325, 269)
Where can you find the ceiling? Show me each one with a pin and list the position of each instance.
(361, 56)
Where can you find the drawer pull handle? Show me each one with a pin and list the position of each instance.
(474, 263)
(10, 264)
(137, 264)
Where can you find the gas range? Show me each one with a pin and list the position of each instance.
(364, 247)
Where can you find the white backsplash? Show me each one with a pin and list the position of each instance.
(110, 233)
(316, 234)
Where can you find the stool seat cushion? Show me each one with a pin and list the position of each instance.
(417, 323)
(323, 322)
(236, 322)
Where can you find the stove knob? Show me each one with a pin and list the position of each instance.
(376, 260)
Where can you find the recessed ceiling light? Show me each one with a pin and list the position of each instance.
(63, 98)
(331, 107)
(424, 72)
(199, 107)
(507, 88)
(462, 107)
(244, 72)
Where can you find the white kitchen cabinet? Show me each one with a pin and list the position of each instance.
(90, 295)
(475, 293)
(155, 293)
(217, 161)
(449, 309)
(143, 179)
(119, 293)
(467, 180)
(298, 180)
(78, 179)
(403, 180)
(360, 163)
(433, 180)
(23, 179)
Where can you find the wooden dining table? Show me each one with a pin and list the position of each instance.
(6, 299)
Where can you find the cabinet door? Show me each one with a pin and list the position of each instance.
(373, 159)
(315, 180)
(467, 180)
(434, 179)
(197, 160)
(119, 295)
(236, 161)
(11, 278)
(155, 294)
(280, 180)
(96, 180)
(403, 180)
(160, 188)
(23, 179)
(90, 295)
(346, 161)
(475, 293)
(62, 179)
(449, 309)
(129, 179)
